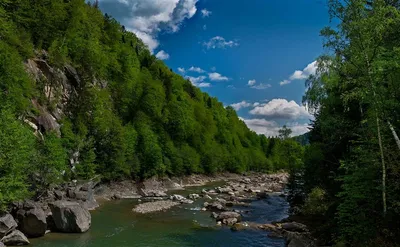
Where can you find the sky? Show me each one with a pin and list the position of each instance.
(253, 55)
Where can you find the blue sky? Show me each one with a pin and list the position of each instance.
(253, 54)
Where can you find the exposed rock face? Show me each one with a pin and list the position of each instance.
(32, 220)
(15, 238)
(7, 224)
(70, 217)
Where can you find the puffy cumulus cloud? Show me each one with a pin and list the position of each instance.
(198, 81)
(240, 105)
(310, 69)
(181, 70)
(162, 55)
(251, 82)
(271, 128)
(305, 73)
(217, 77)
(261, 86)
(196, 69)
(146, 18)
(220, 42)
(281, 109)
(205, 13)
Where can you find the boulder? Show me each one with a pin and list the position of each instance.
(240, 226)
(59, 195)
(216, 206)
(15, 238)
(2, 245)
(70, 217)
(229, 215)
(194, 196)
(177, 198)
(230, 221)
(7, 224)
(207, 197)
(187, 201)
(32, 222)
(294, 227)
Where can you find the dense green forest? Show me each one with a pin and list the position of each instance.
(349, 186)
(127, 115)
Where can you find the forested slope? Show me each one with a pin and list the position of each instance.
(350, 188)
(81, 96)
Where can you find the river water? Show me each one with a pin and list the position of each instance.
(114, 224)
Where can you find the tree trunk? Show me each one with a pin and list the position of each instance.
(395, 136)
(378, 127)
(383, 165)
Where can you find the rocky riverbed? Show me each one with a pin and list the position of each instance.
(66, 208)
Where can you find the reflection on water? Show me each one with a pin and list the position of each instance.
(114, 224)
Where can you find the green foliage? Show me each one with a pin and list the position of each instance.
(51, 161)
(16, 151)
(356, 99)
(315, 203)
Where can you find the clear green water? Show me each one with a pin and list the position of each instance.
(114, 224)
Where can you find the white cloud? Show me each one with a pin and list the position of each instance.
(205, 13)
(251, 82)
(181, 70)
(284, 82)
(281, 109)
(196, 69)
(261, 86)
(217, 77)
(310, 69)
(196, 80)
(162, 55)
(240, 105)
(204, 84)
(271, 128)
(147, 18)
(219, 42)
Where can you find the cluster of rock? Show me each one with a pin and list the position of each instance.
(296, 234)
(32, 219)
(63, 209)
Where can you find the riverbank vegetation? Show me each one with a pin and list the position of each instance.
(349, 185)
(99, 103)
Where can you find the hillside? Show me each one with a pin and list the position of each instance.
(81, 96)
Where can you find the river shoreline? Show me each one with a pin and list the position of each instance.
(224, 196)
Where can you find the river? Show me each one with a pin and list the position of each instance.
(114, 224)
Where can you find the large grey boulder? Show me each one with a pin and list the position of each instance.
(70, 217)
(15, 238)
(32, 222)
(7, 224)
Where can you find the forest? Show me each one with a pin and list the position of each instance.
(348, 186)
(127, 116)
